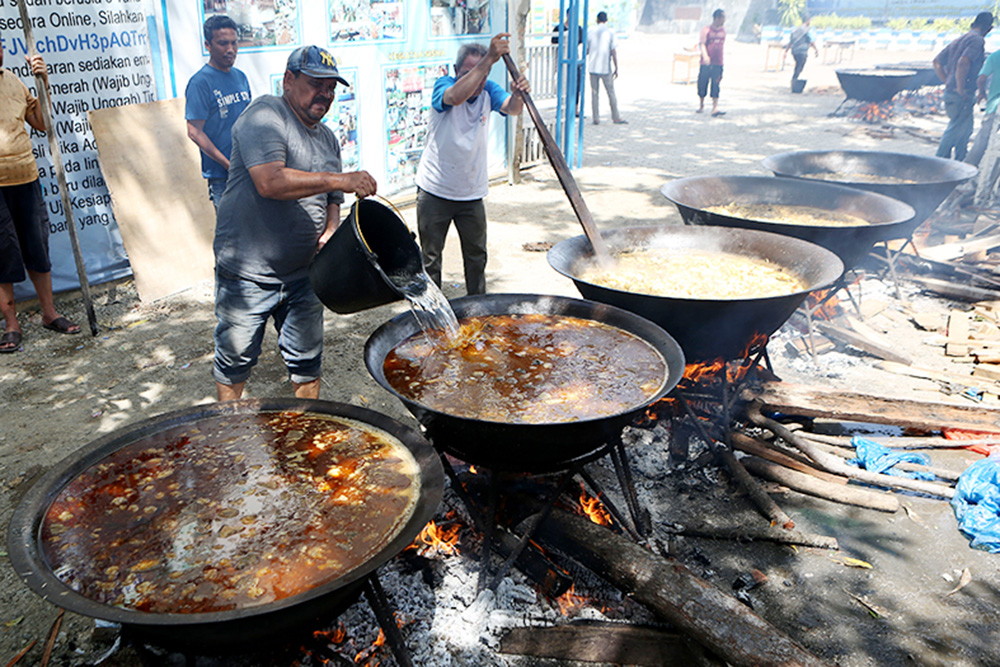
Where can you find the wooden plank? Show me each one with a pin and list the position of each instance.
(987, 372)
(926, 321)
(939, 376)
(159, 198)
(863, 343)
(614, 643)
(955, 290)
(958, 331)
(809, 401)
(947, 251)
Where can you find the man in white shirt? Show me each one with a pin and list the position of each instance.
(601, 55)
(452, 178)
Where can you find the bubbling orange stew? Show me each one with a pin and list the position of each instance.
(533, 369)
(236, 511)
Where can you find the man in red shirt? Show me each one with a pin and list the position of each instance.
(713, 37)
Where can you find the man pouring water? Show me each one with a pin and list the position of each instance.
(452, 178)
(281, 204)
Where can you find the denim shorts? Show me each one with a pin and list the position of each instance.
(243, 307)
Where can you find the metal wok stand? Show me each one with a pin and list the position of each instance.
(486, 521)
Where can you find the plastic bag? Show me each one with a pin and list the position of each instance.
(977, 503)
(874, 457)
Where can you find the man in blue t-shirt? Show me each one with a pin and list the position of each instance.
(216, 95)
(452, 178)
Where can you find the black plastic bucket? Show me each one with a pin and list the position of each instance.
(798, 85)
(366, 261)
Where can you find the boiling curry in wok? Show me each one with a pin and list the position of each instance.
(787, 214)
(532, 368)
(694, 274)
(234, 511)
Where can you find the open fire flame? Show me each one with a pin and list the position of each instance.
(435, 540)
(592, 508)
(874, 112)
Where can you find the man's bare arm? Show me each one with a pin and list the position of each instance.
(196, 133)
(468, 84)
(274, 180)
(332, 222)
(961, 72)
(514, 104)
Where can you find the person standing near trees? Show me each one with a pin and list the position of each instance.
(711, 42)
(799, 44)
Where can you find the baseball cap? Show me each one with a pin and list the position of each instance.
(315, 62)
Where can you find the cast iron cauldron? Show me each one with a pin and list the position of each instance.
(885, 215)
(933, 178)
(706, 329)
(924, 74)
(525, 447)
(222, 630)
(873, 85)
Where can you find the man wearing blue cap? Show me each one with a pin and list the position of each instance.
(281, 204)
(452, 176)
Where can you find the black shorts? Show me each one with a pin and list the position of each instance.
(709, 74)
(24, 232)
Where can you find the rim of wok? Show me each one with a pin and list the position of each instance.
(833, 266)
(673, 356)
(672, 191)
(24, 532)
(779, 163)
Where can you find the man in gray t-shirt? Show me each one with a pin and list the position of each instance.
(281, 204)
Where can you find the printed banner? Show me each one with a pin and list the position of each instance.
(98, 56)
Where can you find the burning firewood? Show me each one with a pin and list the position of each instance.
(714, 619)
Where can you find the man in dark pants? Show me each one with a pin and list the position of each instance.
(711, 42)
(452, 178)
(957, 66)
(799, 44)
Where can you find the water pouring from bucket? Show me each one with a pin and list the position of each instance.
(371, 260)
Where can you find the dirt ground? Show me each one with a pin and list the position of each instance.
(61, 392)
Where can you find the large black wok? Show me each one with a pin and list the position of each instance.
(924, 73)
(525, 447)
(222, 630)
(873, 85)
(706, 329)
(933, 178)
(887, 216)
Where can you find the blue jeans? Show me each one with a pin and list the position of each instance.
(956, 135)
(243, 307)
(216, 186)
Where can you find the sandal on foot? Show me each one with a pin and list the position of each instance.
(62, 325)
(10, 341)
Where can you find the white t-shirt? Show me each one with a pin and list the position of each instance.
(600, 43)
(454, 164)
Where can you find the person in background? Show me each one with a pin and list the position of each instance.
(452, 177)
(24, 221)
(987, 90)
(958, 65)
(799, 44)
(281, 205)
(602, 62)
(711, 43)
(216, 95)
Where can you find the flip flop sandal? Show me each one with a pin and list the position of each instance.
(61, 325)
(719, 113)
(10, 342)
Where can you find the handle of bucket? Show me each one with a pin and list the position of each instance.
(357, 218)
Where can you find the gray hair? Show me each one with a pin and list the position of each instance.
(469, 50)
